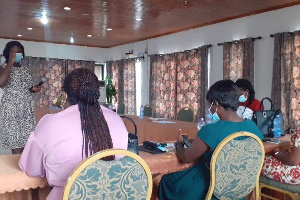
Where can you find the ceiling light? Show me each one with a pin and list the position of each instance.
(19, 35)
(89, 35)
(67, 8)
(138, 19)
(30, 29)
(109, 29)
(72, 40)
(85, 14)
(104, 3)
(44, 20)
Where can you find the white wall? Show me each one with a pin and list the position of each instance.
(62, 51)
(264, 24)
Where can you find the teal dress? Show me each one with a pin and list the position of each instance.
(193, 183)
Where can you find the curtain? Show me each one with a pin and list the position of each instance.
(122, 74)
(286, 80)
(75, 64)
(238, 60)
(179, 80)
(163, 85)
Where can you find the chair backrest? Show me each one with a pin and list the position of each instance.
(121, 108)
(148, 111)
(126, 178)
(185, 114)
(235, 167)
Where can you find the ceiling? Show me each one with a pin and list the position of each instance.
(94, 17)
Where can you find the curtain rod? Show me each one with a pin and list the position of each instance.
(142, 57)
(237, 41)
(289, 33)
(209, 45)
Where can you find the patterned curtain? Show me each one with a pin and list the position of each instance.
(286, 77)
(238, 60)
(163, 85)
(179, 80)
(75, 64)
(122, 74)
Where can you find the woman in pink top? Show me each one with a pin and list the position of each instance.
(61, 141)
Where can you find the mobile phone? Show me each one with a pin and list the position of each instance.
(186, 141)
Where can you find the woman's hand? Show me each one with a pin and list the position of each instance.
(36, 89)
(12, 57)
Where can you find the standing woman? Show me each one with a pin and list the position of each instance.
(247, 102)
(17, 119)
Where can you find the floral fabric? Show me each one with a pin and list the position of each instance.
(179, 80)
(280, 172)
(238, 60)
(286, 77)
(122, 74)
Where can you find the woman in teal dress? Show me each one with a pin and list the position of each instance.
(193, 183)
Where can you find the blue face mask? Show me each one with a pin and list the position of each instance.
(242, 99)
(214, 116)
(19, 57)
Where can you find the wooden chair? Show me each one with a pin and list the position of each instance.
(148, 111)
(126, 178)
(185, 114)
(235, 167)
(291, 190)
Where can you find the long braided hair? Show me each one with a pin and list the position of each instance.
(82, 88)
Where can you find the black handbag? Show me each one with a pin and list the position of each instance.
(264, 119)
(132, 138)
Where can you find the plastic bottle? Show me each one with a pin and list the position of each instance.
(142, 112)
(277, 126)
(201, 123)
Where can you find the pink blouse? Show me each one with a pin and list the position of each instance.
(54, 149)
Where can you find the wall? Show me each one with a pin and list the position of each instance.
(264, 24)
(62, 51)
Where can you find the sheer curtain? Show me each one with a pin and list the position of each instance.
(179, 80)
(238, 60)
(286, 77)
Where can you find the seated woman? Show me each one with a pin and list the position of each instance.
(284, 166)
(248, 104)
(62, 140)
(193, 183)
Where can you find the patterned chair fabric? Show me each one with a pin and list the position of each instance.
(237, 166)
(147, 111)
(185, 114)
(121, 108)
(124, 179)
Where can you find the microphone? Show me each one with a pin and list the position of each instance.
(42, 82)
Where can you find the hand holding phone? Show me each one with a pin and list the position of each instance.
(186, 141)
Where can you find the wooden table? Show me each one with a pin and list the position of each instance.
(16, 185)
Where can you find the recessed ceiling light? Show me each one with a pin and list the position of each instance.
(30, 29)
(44, 20)
(138, 19)
(67, 8)
(19, 35)
(72, 40)
(85, 14)
(109, 29)
(89, 35)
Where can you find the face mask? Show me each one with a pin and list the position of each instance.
(19, 57)
(242, 99)
(214, 116)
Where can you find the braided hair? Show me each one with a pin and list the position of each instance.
(82, 88)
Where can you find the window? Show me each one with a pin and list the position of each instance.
(138, 82)
(100, 70)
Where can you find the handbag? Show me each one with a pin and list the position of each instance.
(264, 119)
(132, 138)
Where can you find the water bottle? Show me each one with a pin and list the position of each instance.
(142, 112)
(277, 126)
(201, 123)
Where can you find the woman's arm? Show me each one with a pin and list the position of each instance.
(292, 158)
(191, 154)
(5, 72)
